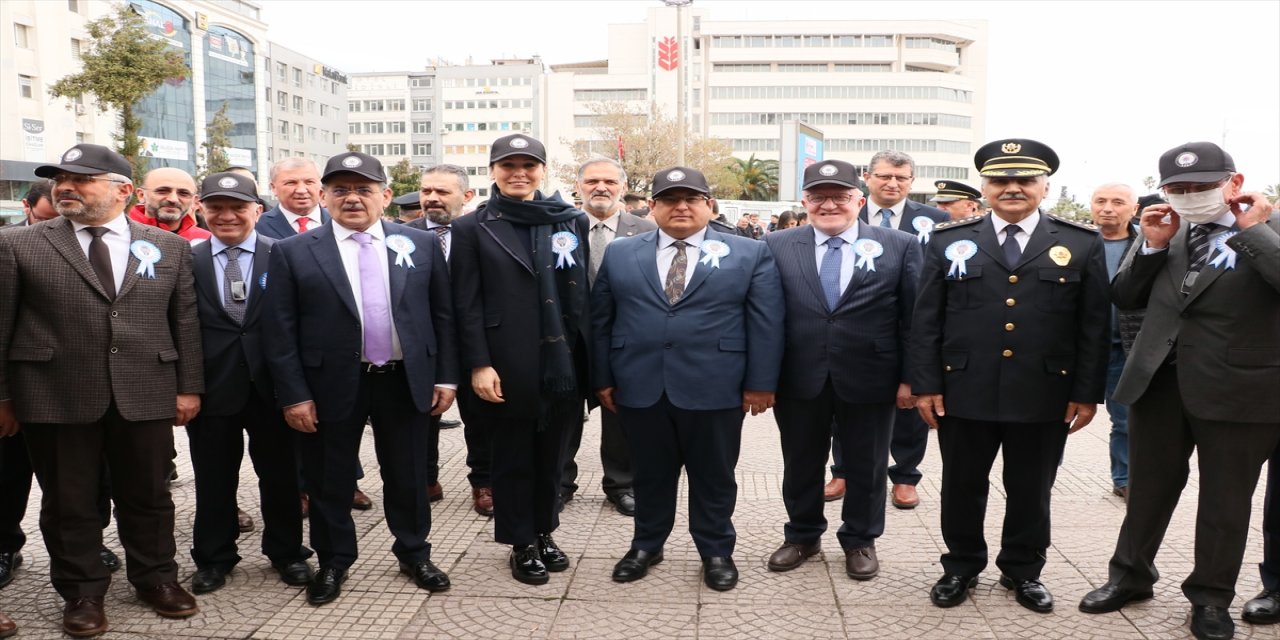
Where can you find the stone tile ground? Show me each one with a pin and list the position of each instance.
(815, 601)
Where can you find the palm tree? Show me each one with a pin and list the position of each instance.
(1272, 192)
(756, 179)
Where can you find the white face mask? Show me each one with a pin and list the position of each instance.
(1199, 208)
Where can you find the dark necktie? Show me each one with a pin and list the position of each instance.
(100, 260)
(441, 232)
(1012, 252)
(1198, 247)
(886, 218)
(674, 287)
(829, 273)
(231, 273)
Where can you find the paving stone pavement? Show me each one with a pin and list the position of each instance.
(816, 600)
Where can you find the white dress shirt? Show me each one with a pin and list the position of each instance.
(220, 259)
(313, 216)
(667, 253)
(350, 251)
(1027, 224)
(847, 258)
(873, 212)
(118, 240)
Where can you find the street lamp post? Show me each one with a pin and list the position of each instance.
(680, 61)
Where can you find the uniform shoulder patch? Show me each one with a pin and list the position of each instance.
(1087, 226)
(950, 224)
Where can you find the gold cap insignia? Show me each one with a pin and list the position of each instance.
(941, 185)
(1011, 147)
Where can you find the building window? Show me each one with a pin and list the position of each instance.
(80, 139)
(374, 105)
(22, 36)
(422, 126)
(862, 68)
(311, 133)
(25, 86)
(734, 67)
(353, 128)
(395, 126)
(73, 6)
(297, 104)
(311, 106)
(395, 149)
(77, 49)
(297, 77)
(420, 81)
(422, 149)
(373, 149)
(282, 72)
(607, 95)
(284, 128)
(395, 105)
(324, 110)
(282, 100)
(297, 132)
(422, 104)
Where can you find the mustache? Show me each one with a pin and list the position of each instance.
(1013, 196)
(70, 195)
(353, 207)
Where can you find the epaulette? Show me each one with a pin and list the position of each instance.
(957, 223)
(1087, 226)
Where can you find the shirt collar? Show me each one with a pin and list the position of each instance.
(897, 209)
(118, 224)
(342, 233)
(313, 214)
(849, 235)
(249, 243)
(1028, 224)
(432, 225)
(611, 222)
(694, 240)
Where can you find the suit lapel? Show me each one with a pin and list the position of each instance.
(1041, 239)
(908, 215)
(63, 238)
(505, 235)
(396, 274)
(859, 274)
(1179, 261)
(987, 242)
(136, 232)
(802, 250)
(1208, 274)
(261, 260)
(278, 224)
(206, 269)
(324, 246)
(702, 271)
(647, 263)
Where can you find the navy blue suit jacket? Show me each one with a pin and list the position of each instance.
(721, 338)
(910, 212)
(861, 345)
(273, 224)
(315, 327)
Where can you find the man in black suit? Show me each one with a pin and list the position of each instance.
(362, 331)
(888, 178)
(1201, 376)
(601, 182)
(849, 290)
(1009, 350)
(231, 275)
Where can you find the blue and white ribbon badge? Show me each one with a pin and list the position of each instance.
(262, 281)
(148, 255)
(924, 227)
(403, 247)
(712, 251)
(562, 244)
(1226, 255)
(868, 250)
(958, 253)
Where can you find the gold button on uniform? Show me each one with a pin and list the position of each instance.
(1063, 372)
(1013, 279)
(1062, 280)
(948, 367)
(1010, 302)
(1008, 353)
(1008, 327)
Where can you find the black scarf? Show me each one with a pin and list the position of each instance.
(563, 292)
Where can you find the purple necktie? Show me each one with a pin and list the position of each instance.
(377, 315)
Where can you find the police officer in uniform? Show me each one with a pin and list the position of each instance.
(1009, 349)
(958, 199)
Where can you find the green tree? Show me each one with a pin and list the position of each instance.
(755, 179)
(1272, 192)
(1150, 183)
(353, 148)
(648, 140)
(122, 65)
(1068, 207)
(405, 178)
(217, 140)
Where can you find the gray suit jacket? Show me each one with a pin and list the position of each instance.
(67, 351)
(629, 225)
(1226, 331)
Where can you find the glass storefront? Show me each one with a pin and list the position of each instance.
(228, 79)
(168, 128)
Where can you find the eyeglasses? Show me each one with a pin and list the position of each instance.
(886, 177)
(79, 179)
(342, 192)
(674, 201)
(1177, 189)
(842, 199)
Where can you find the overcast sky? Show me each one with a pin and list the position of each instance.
(1108, 85)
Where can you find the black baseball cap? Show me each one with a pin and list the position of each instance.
(354, 162)
(1015, 158)
(837, 172)
(408, 201)
(679, 178)
(88, 159)
(952, 190)
(517, 144)
(231, 185)
(1195, 162)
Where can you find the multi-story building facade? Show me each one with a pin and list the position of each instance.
(306, 107)
(391, 115)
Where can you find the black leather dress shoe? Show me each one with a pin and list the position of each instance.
(295, 574)
(952, 589)
(526, 565)
(635, 565)
(720, 573)
(9, 563)
(625, 503)
(1110, 597)
(553, 558)
(326, 586)
(109, 559)
(1031, 594)
(208, 580)
(426, 575)
(1264, 609)
(1211, 623)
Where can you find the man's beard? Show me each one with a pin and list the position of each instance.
(439, 216)
(88, 213)
(170, 218)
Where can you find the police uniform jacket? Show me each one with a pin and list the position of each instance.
(1013, 344)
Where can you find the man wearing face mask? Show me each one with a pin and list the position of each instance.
(1201, 375)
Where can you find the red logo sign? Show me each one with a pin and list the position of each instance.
(668, 54)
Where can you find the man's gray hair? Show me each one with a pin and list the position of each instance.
(451, 169)
(894, 158)
(598, 159)
(292, 163)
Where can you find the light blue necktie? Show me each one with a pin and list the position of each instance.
(829, 274)
(886, 218)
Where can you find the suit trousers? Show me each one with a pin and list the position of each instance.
(1162, 435)
(15, 489)
(1270, 565)
(1031, 454)
(663, 438)
(331, 460)
(526, 477)
(217, 448)
(864, 432)
(477, 434)
(433, 451)
(614, 456)
(908, 445)
(68, 459)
